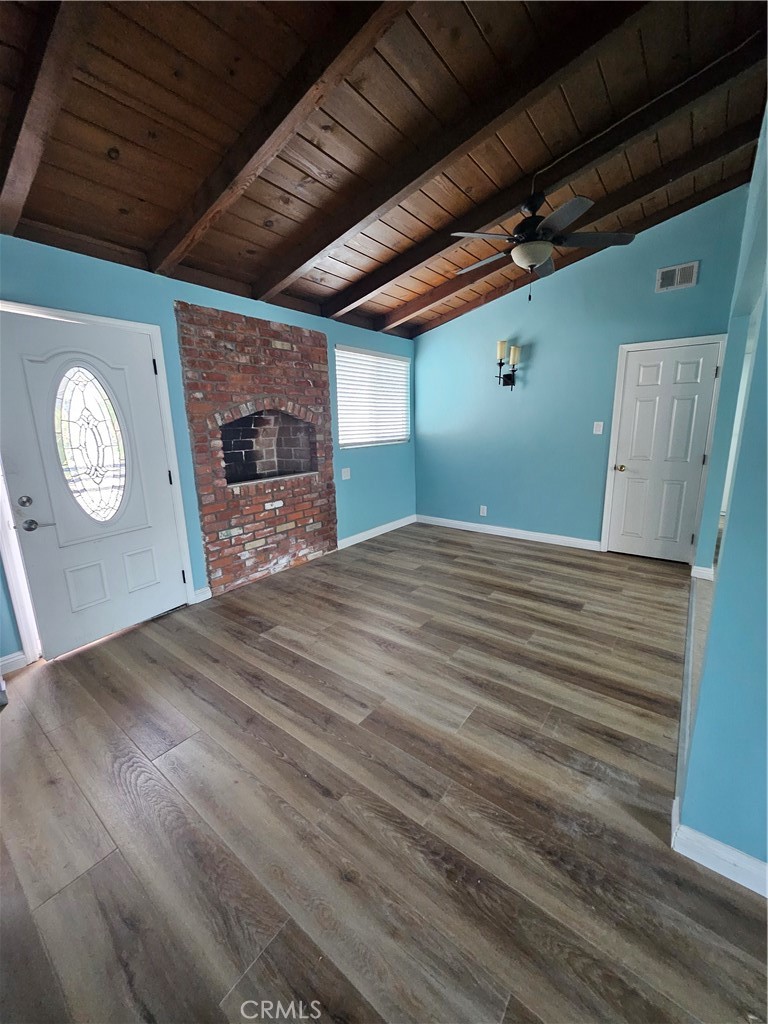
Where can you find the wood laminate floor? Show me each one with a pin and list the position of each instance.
(427, 778)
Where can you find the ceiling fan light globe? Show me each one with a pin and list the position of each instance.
(531, 254)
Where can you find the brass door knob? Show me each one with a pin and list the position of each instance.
(620, 469)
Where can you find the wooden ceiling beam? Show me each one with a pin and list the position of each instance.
(738, 138)
(712, 192)
(86, 245)
(542, 73)
(645, 121)
(48, 68)
(324, 66)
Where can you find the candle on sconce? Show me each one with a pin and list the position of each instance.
(501, 349)
(514, 355)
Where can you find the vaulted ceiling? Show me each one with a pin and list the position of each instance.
(320, 155)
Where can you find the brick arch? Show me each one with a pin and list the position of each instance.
(263, 404)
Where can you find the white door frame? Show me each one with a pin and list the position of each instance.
(624, 351)
(18, 585)
(10, 546)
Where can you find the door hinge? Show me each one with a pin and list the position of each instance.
(693, 537)
(717, 372)
(183, 576)
(170, 478)
(704, 459)
(154, 366)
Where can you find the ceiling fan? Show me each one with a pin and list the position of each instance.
(532, 241)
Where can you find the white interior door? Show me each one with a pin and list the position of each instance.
(663, 425)
(88, 478)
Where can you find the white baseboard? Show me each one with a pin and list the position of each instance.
(376, 531)
(702, 572)
(13, 662)
(725, 860)
(508, 531)
(201, 594)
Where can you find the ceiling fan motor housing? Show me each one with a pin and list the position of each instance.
(527, 229)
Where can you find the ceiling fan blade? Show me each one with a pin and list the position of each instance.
(565, 214)
(596, 239)
(479, 234)
(481, 263)
(545, 269)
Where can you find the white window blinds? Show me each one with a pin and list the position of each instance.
(373, 396)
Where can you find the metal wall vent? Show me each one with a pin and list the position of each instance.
(684, 275)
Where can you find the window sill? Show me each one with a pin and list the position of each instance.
(374, 444)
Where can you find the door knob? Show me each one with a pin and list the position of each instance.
(30, 525)
(620, 469)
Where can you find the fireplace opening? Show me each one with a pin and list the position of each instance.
(268, 444)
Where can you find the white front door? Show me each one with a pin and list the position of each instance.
(86, 465)
(665, 405)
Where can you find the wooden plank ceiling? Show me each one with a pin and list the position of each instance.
(319, 155)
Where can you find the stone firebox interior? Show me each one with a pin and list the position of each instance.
(258, 405)
(268, 444)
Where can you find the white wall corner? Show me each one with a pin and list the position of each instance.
(675, 818)
(703, 572)
(201, 594)
(719, 857)
(13, 662)
(376, 531)
(508, 531)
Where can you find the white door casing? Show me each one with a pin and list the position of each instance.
(665, 395)
(89, 577)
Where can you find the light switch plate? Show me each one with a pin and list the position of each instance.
(597, 427)
(346, 474)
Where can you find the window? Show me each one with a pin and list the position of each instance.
(90, 444)
(373, 396)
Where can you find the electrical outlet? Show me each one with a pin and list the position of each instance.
(483, 510)
(346, 474)
(597, 427)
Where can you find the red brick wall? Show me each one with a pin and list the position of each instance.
(235, 366)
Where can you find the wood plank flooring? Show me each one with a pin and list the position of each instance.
(426, 778)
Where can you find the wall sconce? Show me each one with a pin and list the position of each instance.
(507, 380)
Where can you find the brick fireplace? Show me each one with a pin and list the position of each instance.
(258, 405)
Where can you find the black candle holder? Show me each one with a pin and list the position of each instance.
(507, 379)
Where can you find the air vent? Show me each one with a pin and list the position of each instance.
(684, 275)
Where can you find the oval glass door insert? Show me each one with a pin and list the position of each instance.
(90, 444)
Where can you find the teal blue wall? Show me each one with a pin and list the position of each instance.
(10, 641)
(725, 794)
(531, 456)
(381, 487)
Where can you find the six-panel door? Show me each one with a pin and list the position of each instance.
(665, 407)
